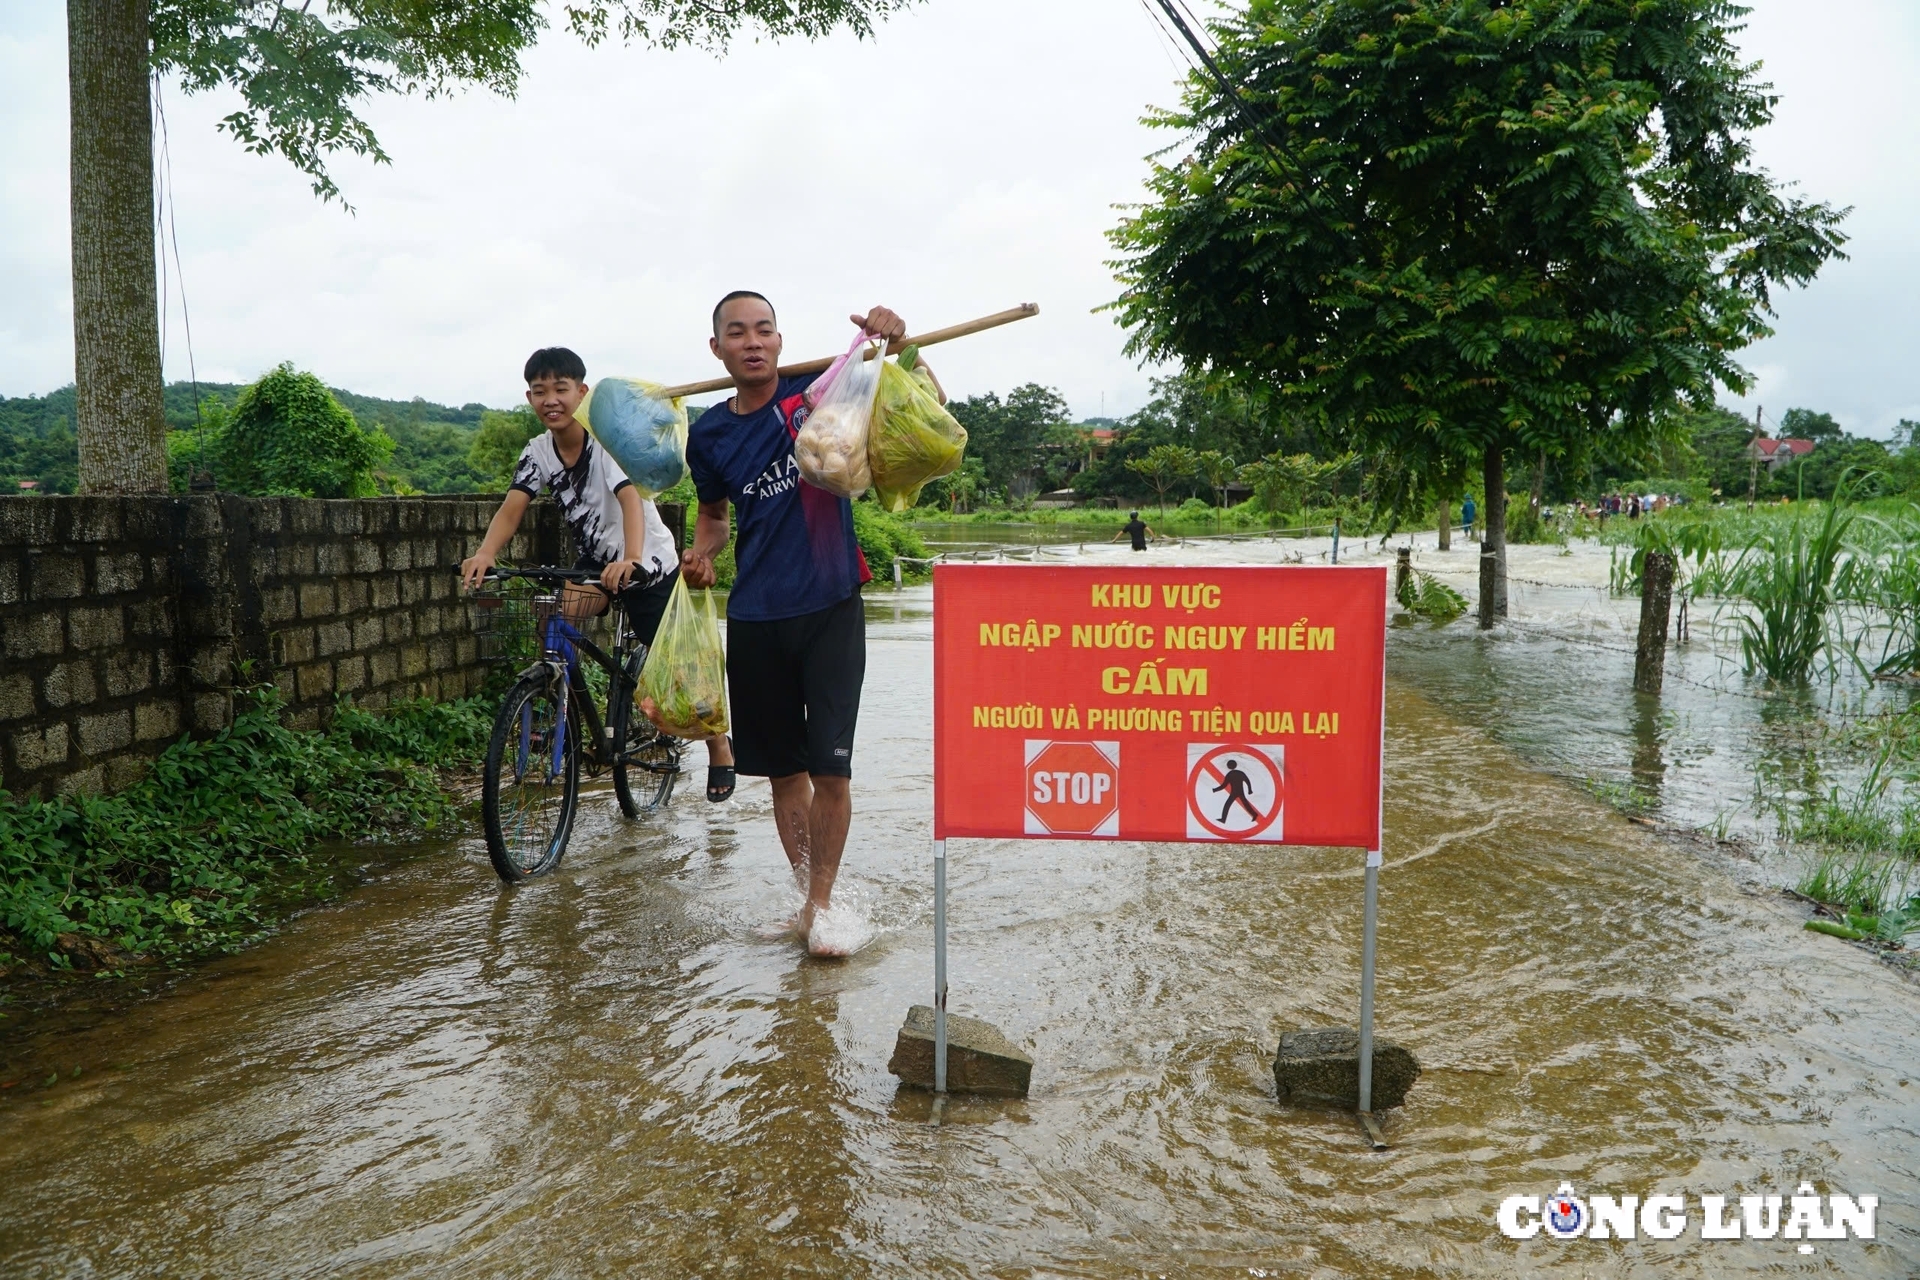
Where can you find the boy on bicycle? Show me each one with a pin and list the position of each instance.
(616, 533)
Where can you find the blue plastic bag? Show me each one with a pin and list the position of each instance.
(644, 432)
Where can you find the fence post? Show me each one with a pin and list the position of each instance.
(1402, 571)
(1656, 601)
(1489, 576)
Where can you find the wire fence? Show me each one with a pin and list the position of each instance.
(1033, 552)
(1024, 551)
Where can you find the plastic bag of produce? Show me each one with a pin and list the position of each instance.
(686, 671)
(912, 438)
(643, 431)
(831, 449)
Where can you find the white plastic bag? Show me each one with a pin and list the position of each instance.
(831, 449)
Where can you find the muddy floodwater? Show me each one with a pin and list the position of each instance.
(615, 1072)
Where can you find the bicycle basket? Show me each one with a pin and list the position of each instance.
(508, 618)
(503, 622)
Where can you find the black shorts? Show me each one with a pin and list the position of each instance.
(793, 687)
(645, 605)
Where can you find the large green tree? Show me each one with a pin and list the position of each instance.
(1014, 437)
(1454, 230)
(304, 73)
(1163, 467)
(285, 435)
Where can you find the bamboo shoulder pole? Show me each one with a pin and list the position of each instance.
(993, 321)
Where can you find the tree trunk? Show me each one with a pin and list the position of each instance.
(1656, 602)
(1493, 547)
(1539, 492)
(1446, 524)
(116, 312)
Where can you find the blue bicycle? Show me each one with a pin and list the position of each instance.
(550, 724)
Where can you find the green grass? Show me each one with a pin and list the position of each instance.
(1867, 820)
(1876, 893)
(1862, 843)
(1790, 587)
(1887, 580)
(1809, 580)
(212, 847)
(1621, 796)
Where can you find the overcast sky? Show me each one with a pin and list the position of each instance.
(967, 159)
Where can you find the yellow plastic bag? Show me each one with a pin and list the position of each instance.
(640, 429)
(686, 671)
(912, 438)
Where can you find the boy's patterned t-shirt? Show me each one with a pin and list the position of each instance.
(588, 496)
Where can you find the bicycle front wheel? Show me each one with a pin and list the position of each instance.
(532, 783)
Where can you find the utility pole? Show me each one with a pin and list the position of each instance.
(1753, 458)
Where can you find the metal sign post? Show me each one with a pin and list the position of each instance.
(1370, 921)
(939, 966)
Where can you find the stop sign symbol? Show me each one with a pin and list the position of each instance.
(1073, 788)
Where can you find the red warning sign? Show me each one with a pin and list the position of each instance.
(1241, 704)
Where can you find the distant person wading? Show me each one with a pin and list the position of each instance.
(1136, 529)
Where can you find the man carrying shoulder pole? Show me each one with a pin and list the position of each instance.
(796, 632)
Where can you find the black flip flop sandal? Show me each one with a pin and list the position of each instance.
(720, 780)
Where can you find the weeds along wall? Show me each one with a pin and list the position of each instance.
(122, 619)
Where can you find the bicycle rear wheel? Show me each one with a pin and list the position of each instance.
(532, 783)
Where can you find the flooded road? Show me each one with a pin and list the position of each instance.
(612, 1072)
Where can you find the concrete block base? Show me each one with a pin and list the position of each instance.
(1321, 1068)
(979, 1059)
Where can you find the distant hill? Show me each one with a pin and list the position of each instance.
(430, 440)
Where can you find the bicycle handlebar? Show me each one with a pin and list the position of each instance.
(545, 573)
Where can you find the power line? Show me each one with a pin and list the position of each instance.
(1175, 55)
(160, 225)
(1227, 88)
(1186, 25)
(179, 271)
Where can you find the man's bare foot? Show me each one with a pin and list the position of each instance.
(837, 933)
(816, 928)
(821, 943)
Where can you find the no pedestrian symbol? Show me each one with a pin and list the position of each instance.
(1234, 791)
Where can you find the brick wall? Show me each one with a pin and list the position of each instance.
(121, 619)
